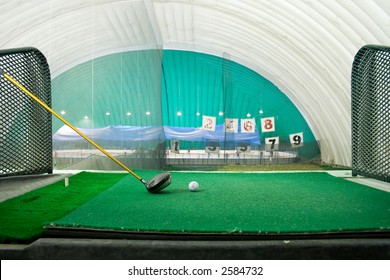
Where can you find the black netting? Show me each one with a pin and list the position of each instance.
(371, 113)
(113, 94)
(25, 127)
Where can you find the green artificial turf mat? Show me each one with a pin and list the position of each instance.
(238, 203)
(23, 218)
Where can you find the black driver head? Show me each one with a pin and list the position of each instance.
(158, 182)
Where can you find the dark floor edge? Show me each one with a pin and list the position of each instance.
(71, 232)
(120, 249)
(30, 177)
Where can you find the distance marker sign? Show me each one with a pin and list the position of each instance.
(296, 139)
(268, 124)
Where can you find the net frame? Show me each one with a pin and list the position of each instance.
(25, 127)
(371, 112)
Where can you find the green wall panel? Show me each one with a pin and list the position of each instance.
(206, 84)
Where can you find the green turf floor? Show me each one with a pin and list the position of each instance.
(306, 202)
(22, 218)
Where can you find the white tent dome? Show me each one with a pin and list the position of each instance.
(304, 47)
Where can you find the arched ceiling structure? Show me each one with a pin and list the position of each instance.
(304, 47)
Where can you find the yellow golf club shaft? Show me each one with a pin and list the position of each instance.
(44, 105)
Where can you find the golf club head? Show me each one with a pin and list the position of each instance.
(158, 182)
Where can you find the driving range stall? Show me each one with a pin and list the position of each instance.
(153, 129)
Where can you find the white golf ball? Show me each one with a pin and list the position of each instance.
(193, 186)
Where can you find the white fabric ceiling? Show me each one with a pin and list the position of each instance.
(305, 47)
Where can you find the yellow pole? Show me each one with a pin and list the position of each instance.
(44, 105)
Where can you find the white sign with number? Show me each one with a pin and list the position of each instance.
(212, 148)
(268, 124)
(248, 125)
(231, 125)
(208, 123)
(296, 139)
(243, 149)
(175, 146)
(272, 143)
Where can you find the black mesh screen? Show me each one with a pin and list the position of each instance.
(371, 113)
(25, 127)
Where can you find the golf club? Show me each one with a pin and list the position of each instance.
(154, 185)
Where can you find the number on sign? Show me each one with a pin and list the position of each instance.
(175, 146)
(268, 124)
(271, 143)
(296, 139)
